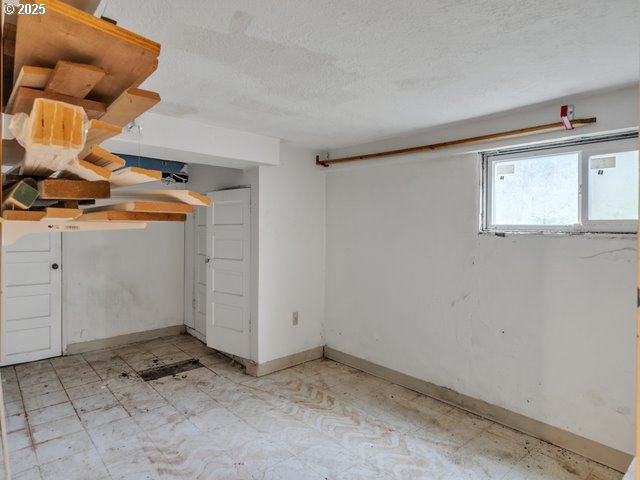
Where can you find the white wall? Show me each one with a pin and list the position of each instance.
(543, 326)
(122, 282)
(291, 254)
(182, 140)
(205, 178)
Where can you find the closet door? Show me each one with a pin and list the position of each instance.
(31, 299)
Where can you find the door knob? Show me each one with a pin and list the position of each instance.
(54, 266)
(207, 260)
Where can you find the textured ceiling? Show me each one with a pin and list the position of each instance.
(331, 73)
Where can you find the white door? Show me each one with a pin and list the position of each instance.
(189, 272)
(31, 299)
(228, 255)
(200, 280)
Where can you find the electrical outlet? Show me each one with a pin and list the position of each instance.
(295, 318)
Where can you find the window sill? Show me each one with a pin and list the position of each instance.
(594, 235)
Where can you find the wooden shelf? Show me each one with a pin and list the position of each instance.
(13, 230)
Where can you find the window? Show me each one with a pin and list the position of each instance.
(586, 185)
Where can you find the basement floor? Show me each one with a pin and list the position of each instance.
(92, 416)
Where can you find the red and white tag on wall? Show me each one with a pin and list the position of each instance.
(566, 114)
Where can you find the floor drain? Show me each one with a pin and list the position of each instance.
(169, 370)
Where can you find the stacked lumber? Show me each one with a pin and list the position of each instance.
(51, 136)
(75, 85)
(63, 171)
(66, 33)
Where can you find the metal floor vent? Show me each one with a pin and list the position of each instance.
(170, 370)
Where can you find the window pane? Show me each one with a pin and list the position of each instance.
(613, 186)
(536, 191)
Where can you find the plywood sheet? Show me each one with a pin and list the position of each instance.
(66, 33)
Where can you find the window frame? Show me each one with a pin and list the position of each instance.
(585, 148)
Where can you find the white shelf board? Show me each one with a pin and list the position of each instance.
(12, 230)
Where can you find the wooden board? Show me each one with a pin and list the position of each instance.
(134, 176)
(146, 207)
(23, 215)
(51, 213)
(97, 133)
(46, 214)
(20, 196)
(40, 204)
(179, 196)
(130, 105)
(8, 50)
(65, 32)
(101, 157)
(66, 204)
(61, 189)
(84, 170)
(74, 79)
(25, 97)
(118, 216)
(12, 153)
(32, 77)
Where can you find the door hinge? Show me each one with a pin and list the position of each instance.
(193, 303)
(638, 299)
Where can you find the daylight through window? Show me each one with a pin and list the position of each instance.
(584, 186)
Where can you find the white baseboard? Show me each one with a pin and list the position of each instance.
(598, 452)
(120, 340)
(260, 369)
